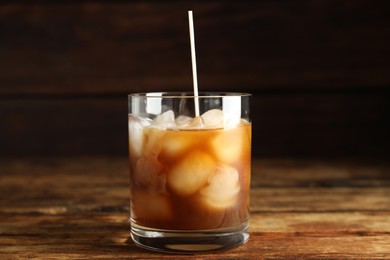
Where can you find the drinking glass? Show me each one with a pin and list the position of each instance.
(190, 166)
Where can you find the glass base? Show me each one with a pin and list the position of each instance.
(191, 241)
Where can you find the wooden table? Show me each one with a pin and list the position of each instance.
(77, 208)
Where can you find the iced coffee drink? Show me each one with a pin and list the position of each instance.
(189, 174)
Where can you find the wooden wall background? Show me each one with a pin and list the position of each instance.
(319, 71)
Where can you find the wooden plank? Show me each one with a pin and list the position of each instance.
(121, 47)
(42, 186)
(309, 173)
(40, 199)
(330, 125)
(321, 124)
(259, 247)
(76, 208)
(327, 224)
(320, 199)
(272, 235)
(63, 126)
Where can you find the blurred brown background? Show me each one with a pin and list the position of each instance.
(319, 71)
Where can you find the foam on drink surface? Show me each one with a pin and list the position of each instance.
(196, 169)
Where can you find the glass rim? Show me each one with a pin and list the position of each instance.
(189, 94)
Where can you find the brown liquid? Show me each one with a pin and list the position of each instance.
(191, 179)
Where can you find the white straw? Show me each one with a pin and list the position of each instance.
(193, 58)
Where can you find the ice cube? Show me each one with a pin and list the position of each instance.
(229, 144)
(191, 173)
(231, 120)
(136, 126)
(194, 123)
(181, 120)
(213, 118)
(149, 173)
(149, 206)
(216, 118)
(152, 141)
(165, 120)
(222, 189)
(174, 144)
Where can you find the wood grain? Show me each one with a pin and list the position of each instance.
(77, 208)
(318, 70)
(320, 74)
(307, 125)
(121, 47)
